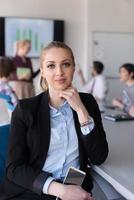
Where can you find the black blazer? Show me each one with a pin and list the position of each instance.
(29, 143)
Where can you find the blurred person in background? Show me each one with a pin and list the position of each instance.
(97, 86)
(24, 70)
(126, 103)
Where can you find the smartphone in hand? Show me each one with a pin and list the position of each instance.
(74, 176)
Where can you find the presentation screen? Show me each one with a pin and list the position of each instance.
(39, 31)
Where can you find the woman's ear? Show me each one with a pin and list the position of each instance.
(41, 72)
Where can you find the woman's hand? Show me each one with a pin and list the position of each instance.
(73, 98)
(117, 103)
(68, 192)
(80, 73)
(73, 192)
(131, 111)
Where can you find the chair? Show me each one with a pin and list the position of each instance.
(4, 136)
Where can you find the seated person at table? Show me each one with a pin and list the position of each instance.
(126, 76)
(53, 131)
(6, 69)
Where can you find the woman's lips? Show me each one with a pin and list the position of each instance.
(60, 80)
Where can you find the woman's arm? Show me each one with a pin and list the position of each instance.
(68, 192)
(18, 169)
(118, 103)
(131, 111)
(34, 74)
(80, 73)
(95, 142)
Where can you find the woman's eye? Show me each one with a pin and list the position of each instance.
(66, 64)
(51, 66)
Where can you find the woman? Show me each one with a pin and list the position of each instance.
(127, 77)
(53, 131)
(24, 70)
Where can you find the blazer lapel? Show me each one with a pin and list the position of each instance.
(44, 126)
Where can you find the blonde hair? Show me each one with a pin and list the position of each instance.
(54, 44)
(21, 43)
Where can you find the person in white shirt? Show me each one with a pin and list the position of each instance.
(97, 86)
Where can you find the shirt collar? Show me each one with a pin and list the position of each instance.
(54, 110)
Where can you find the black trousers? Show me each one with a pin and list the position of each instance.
(29, 196)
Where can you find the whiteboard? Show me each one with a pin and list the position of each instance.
(113, 49)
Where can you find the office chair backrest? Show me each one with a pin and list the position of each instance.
(4, 137)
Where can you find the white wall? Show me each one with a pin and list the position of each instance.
(109, 15)
(112, 15)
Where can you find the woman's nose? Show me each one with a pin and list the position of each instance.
(59, 70)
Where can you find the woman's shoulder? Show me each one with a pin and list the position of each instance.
(31, 104)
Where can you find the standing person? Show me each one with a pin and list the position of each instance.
(97, 86)
(53, 131)
(24, 70)
(7, 68)
(126, 76)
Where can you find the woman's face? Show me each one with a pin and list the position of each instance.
(57, 68)
(25, 49)
(124, 75)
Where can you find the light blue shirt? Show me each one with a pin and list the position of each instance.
(63, 150)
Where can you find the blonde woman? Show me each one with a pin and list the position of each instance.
(24, 70)
(53, 131)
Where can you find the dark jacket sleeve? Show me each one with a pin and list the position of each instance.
(18, 169)
(95, 142)
(34, 74)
